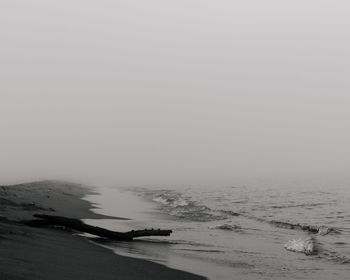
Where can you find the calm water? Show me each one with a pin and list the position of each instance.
(237, 232)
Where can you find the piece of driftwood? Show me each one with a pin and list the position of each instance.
(75, 224)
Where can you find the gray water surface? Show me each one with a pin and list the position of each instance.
(237, 232)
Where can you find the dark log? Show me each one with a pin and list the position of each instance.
(75, 224)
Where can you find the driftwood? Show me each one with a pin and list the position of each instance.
(75, 224)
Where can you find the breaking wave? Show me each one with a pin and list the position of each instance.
(183, 207)
(310, 246)
(306, 246)
(227, 226)
(322, 230)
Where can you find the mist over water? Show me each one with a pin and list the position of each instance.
(174, 92)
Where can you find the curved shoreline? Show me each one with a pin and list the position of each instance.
(38, 253)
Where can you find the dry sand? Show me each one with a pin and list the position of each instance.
(39, 253)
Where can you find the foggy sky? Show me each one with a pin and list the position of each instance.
(174, 92)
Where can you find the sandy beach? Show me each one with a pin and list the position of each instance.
(47, 253)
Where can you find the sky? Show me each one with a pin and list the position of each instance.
(174, 92)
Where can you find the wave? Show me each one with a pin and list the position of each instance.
(230, 213)
(315, 229)
(306, 246)
(227, 226)
(182, 207)
(322, 230)
(303, 205)
(174, 199)
(310, 246)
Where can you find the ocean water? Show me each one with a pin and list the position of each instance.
(257, 231)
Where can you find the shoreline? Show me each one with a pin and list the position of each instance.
(44, 253)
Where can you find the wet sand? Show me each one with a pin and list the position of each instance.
(39, 253)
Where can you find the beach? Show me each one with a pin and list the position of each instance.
(50, 253)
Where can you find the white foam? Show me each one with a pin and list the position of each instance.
(160, 200)
(324, 230)
(171, 200)
(305, 246)
(226, 227)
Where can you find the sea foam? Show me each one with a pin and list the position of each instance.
(227, 226)
(305, 246)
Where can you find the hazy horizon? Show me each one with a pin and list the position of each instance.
(174, 92)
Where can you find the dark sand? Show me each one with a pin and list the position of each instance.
(38, 253)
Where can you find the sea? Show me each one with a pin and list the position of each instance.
(244, 231)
